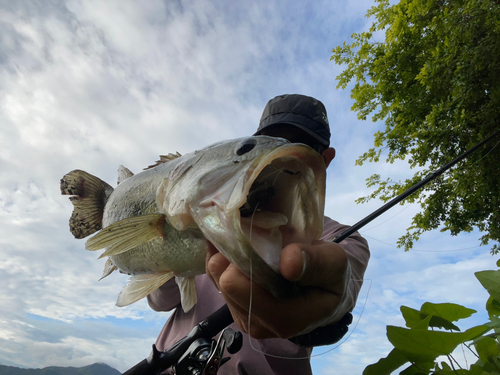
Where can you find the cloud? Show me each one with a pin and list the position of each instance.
(92, 85)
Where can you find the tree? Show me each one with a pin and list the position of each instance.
(435, 81)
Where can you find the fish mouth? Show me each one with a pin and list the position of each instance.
(283, 201)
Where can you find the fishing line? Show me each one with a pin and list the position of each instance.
(392, 217)
(425, 251)
(276, 170)
(477, 161)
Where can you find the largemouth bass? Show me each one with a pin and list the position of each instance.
(250, 197)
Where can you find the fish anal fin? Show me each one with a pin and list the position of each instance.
(109, 267)
(187, 287)
(139, 286)
(123, 174)
(90, 195)
(126, 234)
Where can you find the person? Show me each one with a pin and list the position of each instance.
(331, 273)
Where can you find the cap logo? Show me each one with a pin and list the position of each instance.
(325, 119)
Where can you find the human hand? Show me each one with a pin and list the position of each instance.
(319, 268)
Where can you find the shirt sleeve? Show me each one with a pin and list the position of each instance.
(358, 255)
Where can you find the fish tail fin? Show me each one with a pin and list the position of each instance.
(139, 286)
(109, 267)
(89, 196)
(187, 287)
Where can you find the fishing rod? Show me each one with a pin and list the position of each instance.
(199, 354)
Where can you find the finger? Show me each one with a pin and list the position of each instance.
(211, 249)
(284, 318)
(216, 264)
(322, 264)
(232, 283)
(251, 325)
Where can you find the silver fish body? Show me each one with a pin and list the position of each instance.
(250, 197)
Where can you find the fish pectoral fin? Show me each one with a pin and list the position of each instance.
(187, 287)
(139, 286)
(109, 267)
(126, 234)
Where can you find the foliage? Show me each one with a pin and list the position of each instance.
(435, 81)
(420, 344)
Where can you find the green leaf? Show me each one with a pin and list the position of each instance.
(418, 369)
(387, 365)
(438, 322)
(493, 307)
(490, 280)
(475, 370)
(448, 311)
(487, 348)
(426, 346)
(411, 316)
(437, 313)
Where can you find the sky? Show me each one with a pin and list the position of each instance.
(94, 84)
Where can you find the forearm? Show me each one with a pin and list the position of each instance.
(165, 298)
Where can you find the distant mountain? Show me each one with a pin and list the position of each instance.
(95, 369)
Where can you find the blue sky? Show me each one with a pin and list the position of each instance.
(92, 85)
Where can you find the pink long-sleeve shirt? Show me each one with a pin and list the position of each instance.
(259, 356)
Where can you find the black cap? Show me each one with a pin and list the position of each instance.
(301, 111)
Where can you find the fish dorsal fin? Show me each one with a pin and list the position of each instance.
(139, 286)
(126, 234)
(123, 173)
(164, 159)
(187, 287)
(109, 267)
(89, 196)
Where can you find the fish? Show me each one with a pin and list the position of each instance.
(248, 196)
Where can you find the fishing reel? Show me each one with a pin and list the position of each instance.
(204, 357)
(197, 353)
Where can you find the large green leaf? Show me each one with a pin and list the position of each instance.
(449, 311)
(441, 315)
(425, 346)
(411, 316)
(387, 365)
(438, 322)
(487, 348)
(418, 369)
(493, 307)
(491, 282)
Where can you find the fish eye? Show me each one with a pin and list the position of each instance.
(247, 146)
